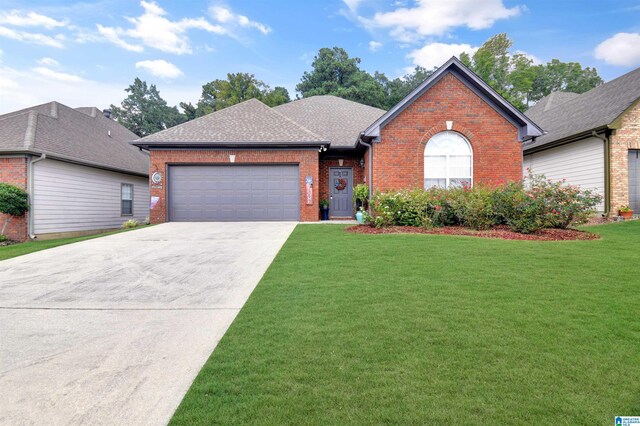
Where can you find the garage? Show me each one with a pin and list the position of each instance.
(234, 192)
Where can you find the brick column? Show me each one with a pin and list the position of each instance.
(14, 171)
(626, 137)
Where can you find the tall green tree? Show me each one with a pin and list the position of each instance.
(491, 62)
(238, 87)
(335, 73)
(144, 111)
(564, 76)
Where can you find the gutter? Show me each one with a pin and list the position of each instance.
(370, 178)
(607, 168)
(566, 140)
(30, 191)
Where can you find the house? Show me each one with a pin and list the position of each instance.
(252, 162)
(592, 140)
(78, 168)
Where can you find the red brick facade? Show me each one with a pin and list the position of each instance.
(306, 159)
(398, 160)
(14, 172)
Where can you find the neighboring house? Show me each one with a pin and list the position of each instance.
(252, 162)
(81, 173)
(592, 140)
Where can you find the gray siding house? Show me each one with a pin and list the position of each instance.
(81, 173)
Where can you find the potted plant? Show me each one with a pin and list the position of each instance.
(625, 212)
(324, 208)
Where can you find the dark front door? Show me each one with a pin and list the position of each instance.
(634, 180)
(341, 184)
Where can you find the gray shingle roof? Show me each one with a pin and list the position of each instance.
(338, 120)
(66, 133)
(552, 100)
(248, 123)
(597, 108)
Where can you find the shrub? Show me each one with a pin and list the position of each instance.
(474, 207)
(361, 196)
(3, 238)
(13, 202)
(131, 223)
(518, 209)
(147, 221)
(402, 208)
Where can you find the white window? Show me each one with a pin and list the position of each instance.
(126, 198)
(448, 161)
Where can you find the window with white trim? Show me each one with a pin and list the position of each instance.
(126, 199)
(448, 161)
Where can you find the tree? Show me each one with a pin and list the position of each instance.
(400, 87)
(144, 111)
(491, 62)
(188, 110)
(14, 201)
(564, 76)
(335, 73)
(238, 87)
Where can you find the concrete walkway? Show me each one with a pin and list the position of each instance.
(114, 330)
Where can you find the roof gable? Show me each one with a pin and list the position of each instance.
(338, 120)
(64, 133)
(526, 127)
(248, 123)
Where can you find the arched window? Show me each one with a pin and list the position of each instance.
(448, 161)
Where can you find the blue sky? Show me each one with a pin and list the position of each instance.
(86, 53)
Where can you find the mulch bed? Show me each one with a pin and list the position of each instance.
(501, 232)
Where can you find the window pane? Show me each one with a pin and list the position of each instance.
(127, 192)
(435, 166)
(460, 165)
(447, 143)
(438, 183)
(459, 182)
(127, 207)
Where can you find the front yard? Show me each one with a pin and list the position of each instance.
(429, 329)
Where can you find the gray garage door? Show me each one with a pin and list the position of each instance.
(634, 180)
(219, 193)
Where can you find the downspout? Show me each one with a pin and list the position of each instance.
(607, 170)
(30, 190)
(370, 146)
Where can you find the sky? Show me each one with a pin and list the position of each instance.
(87, 53)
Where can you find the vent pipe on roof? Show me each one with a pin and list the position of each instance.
(106, 113)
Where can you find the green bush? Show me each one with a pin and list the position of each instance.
(3, 238)
(525, 208)
(131, 223)
(361, 196)
(13, 202)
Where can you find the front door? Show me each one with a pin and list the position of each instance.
(341, 184)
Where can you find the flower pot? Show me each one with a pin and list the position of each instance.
(626, 215)
(325, 213)
(359, 217)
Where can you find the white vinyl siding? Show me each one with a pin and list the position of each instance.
(69, 197)
(580, 163)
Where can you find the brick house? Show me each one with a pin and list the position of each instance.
(592, 140)
(80, 172)
(252, 162)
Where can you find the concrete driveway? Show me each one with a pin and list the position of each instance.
(114, 330)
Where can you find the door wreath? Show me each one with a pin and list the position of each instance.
(341, 184)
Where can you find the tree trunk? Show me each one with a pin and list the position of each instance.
(6, 220)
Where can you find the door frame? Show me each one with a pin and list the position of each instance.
(329, 188)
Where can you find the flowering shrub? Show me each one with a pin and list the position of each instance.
(525, 207)
(131, 223)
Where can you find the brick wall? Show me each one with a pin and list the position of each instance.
(398, 160)
(326, 163)
(307, 160)
(14, 172)
(625, 138)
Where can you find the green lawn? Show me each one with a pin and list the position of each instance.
(426, 329)
(15, 250)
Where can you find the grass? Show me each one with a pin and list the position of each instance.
(20, 249)
(428, 329)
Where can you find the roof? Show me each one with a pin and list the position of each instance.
(337, 120)
(249, 123)
(598, 108)
(526, 127)
(550, 101)
(83, 136)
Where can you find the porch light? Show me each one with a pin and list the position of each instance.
(232, 158)
(340, 162)
(362, 162)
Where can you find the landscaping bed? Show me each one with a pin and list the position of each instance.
(502, 232)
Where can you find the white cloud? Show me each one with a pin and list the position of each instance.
(48, 62)
(437, 17)
(24, 88)
(58, 76)
(436, 54)
(352, 4)
(35, 38)
(160, 68)
(154, 29)
(622, 49)
(374, 45)
(18, 18)
(225, 15)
